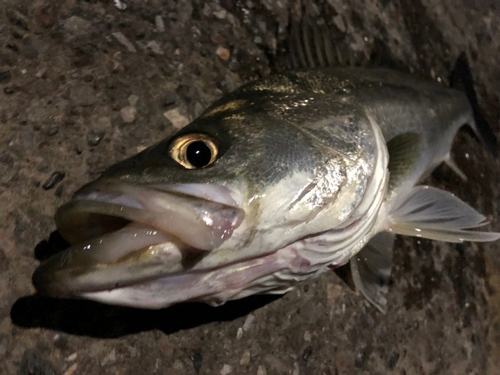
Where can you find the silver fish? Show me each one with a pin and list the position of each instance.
(278, 182)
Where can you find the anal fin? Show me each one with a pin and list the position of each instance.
(371, 269)
(461, 79)
(455, 168)
(435, 214)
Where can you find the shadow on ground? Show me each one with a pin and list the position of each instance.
(93, 319)
(87, 318)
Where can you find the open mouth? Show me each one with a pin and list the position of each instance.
(124, 235)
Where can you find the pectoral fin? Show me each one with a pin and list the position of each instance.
(435, 214)
(404, 150)
(371, 269)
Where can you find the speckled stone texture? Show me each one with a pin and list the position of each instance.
(84, 84)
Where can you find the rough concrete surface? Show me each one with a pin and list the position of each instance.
(84, 84)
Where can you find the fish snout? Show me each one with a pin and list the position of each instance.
(125, 234)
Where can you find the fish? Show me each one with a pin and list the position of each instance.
(277, 182)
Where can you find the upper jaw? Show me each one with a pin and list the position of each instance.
(125, 234)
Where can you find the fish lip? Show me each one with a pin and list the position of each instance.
(58, 276)
(151, 205)
(112, 193)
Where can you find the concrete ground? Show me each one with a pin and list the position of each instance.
(84, 84)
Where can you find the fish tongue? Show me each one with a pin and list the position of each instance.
(111, 247)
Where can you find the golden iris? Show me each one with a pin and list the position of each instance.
(194, 151)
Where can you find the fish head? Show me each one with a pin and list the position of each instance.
(213, 212)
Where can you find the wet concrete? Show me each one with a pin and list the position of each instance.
(84, 84)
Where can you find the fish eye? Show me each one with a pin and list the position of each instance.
(194, 151)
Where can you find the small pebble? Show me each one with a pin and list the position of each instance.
(177, 119)
(82, 95)
(128, 114)
(8, 90)
(53, 180)
(50, 131)
(206, 10)
(261, 370)
(245, 358)
(333, 292)
(124, 41)
(154, 47)
(71, 370)
(109, 359)
(223, 53)
(239, 333)
(226, 369)
(248, 322)
(60, 341)
(132, 100)
(77, 26)
(160, 25)
(94, 137)
(103, 123)
(42, 73)
(220, 14)
(5, 77)
(120, 5)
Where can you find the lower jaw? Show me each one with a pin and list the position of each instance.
(275, 273)
(86, 268)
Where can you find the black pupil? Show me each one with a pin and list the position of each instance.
(198, 154)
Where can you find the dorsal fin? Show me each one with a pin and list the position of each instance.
(310, 47)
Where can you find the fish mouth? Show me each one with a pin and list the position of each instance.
(124, 235)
